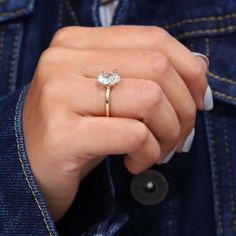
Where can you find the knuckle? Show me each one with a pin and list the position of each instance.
(158, 34)
(162, 34)
(199, 71)
(54, 122)
(189, 120)
(45, 62)
(151, 93)
(107, 130)
(162, 66)
(156, 156)
(139, 135)
(61, 35)
(174, 133)
(50, 62)
(190, 115)
(49, 92)
(158, 63)
(49, 56)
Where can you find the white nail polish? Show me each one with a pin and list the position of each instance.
(169, 156)
(202, 56)
(189, 141)
(208, 99)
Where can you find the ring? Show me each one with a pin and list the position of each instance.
(108, 80)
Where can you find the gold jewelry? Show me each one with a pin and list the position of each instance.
(108, 80)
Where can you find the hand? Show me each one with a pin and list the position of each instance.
(153, 107)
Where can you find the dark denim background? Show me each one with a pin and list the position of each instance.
(202, 183)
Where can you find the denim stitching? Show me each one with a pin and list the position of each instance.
(23, 167)
(207, 47)
(223, 79)
(211, 74)
(217, 93)
(60, 14)
(14, 13)
(215, 30)
(72, 12)
(200, 19)
(230, 171)
(2, 41)
(13, 58)
(215, 176)
(170, 216)
(215, 76)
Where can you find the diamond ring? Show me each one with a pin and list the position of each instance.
(108, 80)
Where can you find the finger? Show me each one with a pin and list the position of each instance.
(102, 136)
(141, 37)
(135, 99)
(145, 64)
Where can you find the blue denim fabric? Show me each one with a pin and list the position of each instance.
(21, 202)
(201, 200)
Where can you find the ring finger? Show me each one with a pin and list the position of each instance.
(139, 65)
(135, 99)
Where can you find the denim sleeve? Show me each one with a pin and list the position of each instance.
(23, 210)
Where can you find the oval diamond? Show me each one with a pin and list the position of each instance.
(108, 79)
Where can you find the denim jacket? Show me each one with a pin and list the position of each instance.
(202, 183)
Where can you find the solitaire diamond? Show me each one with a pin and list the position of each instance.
(108, 79)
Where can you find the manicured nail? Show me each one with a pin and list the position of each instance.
(189, 141)
(208, 99)
(169, 156)
(202, 56)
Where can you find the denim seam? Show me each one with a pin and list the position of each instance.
(207, 46)
(214, 30)
(170, 216)
(230, 171)
(2, 42)
(213, 75)
(72, 12)
(13, 61)
(217, 77)
(217, 93)
(215, 177)
(199, 19)
(60, 14)
(14, 13)
(220, 78)
(23, 167)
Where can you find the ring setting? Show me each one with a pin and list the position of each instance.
(108, 80)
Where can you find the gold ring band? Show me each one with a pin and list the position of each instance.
(108, 92)
(108, 80)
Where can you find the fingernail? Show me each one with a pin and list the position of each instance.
(169, 156)
(189, 141)
(208, 99)
(202, 56)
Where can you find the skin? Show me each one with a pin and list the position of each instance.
(153, 108)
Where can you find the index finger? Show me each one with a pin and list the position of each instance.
(188, 66)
